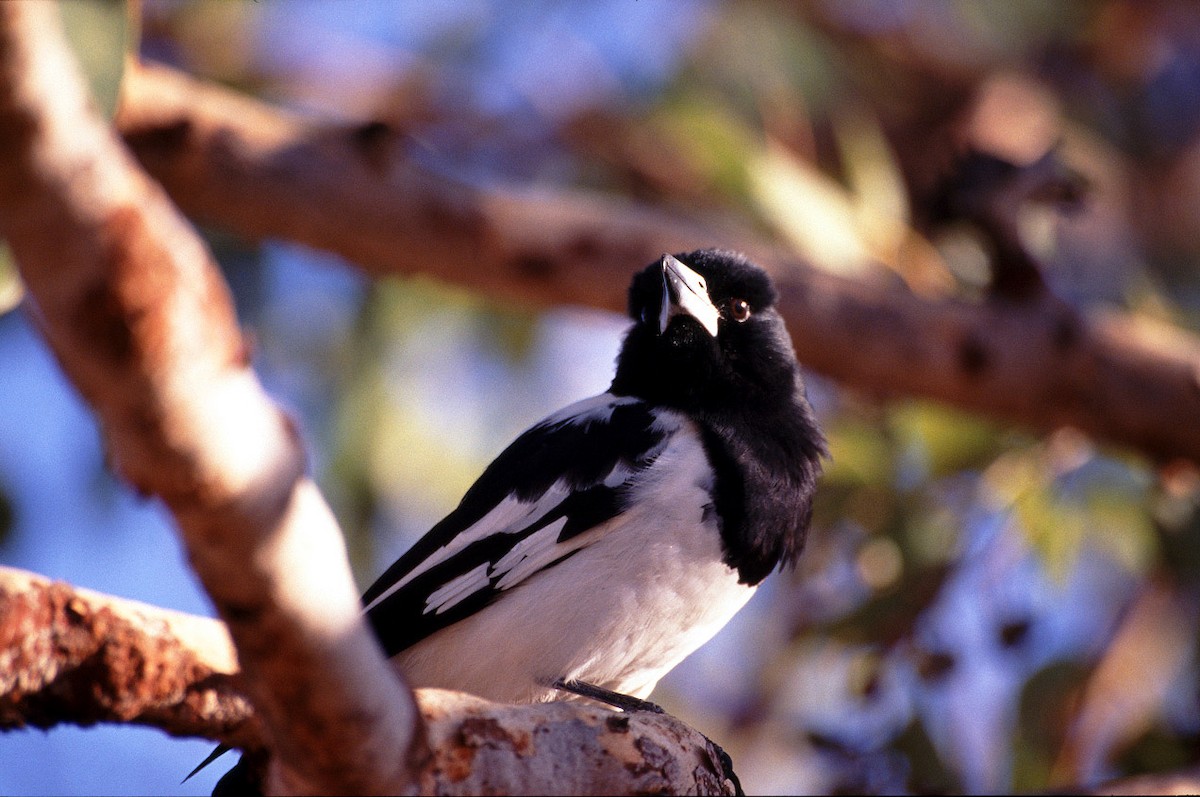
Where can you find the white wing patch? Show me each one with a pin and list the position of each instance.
(456, 589)
(512, 516)
(619, 476)
(529, 555)
(597, 409)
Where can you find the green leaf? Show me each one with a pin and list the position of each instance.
(1066, 501)
(930, 774)
(1046, 708)
(812, 211)
(1123, 527)
(710, 137)
(859, 453)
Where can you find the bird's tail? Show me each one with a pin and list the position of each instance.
(220, 750)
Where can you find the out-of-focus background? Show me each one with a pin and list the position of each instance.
(980, 608)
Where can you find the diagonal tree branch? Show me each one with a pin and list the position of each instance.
(141, 322)
(264, 173)
(143, 325)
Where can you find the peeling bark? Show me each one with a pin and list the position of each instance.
(563, 748)
(70, 653)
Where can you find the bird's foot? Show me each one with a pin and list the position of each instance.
(626, 703)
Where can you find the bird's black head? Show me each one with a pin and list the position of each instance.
(706, 335)
(708, 340)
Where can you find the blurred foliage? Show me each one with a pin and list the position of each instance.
(964, 582)
(1061, 494)
(927, 772)
(101, 33)
(388, 458)
(11, 289)
(1048, 700)
(1161, 749)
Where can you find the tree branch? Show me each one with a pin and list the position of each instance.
(141, 322)
(262, 172)
(72, 655)
(1184, 781)
(75, 656)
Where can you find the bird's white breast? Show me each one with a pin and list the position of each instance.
(574, 620)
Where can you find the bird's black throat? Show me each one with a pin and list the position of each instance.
(765, 469)
(744, 391)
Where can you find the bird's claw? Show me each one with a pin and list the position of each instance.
(626, 703)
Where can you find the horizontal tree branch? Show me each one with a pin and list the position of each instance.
(262, 172)
(564, 748)
(75, 656)
(72, 656)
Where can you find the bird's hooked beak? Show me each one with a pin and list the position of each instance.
(684, 293)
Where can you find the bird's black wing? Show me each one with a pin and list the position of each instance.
(529, 510)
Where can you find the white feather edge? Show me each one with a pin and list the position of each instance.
(456, 589)
(512, 515)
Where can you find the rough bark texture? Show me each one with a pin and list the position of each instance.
(563, 748)
(141, 322)
(69, 655)
(261, 172)
(143, 325)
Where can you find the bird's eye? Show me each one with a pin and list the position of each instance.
(739, 310)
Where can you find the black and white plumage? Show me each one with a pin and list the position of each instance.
(615, 537)
(612, 539)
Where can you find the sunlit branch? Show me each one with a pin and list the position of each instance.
(264, 173)
(142, 323)
(76, 656)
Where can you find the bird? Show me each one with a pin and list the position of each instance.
(610, 540)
